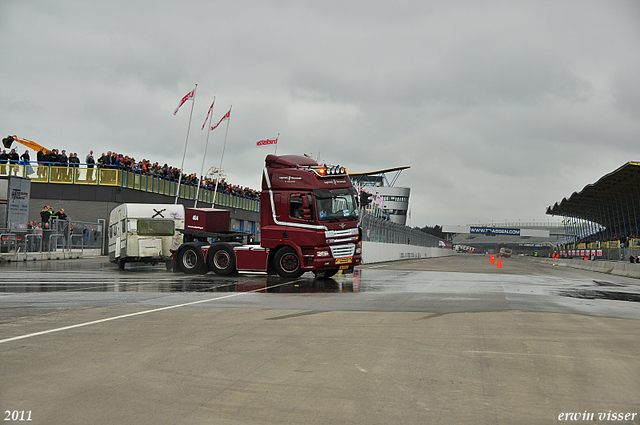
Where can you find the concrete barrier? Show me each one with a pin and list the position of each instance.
(376, 252)
(372, 252)
(13, 257)
(618, 268)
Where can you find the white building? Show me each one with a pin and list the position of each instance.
(387, 200)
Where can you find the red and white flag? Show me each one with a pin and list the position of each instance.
(186, 97)
(226, 116)
(208, 113)
(267, 142)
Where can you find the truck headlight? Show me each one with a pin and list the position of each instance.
(322, 254)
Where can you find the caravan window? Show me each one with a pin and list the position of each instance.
(156, 227)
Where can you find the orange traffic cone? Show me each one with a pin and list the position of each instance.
(499, 262)
(492, 259)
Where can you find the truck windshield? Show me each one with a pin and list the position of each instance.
(155, 227)
(336, 204)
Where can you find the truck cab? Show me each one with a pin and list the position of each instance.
(309, 216)
(309, 221)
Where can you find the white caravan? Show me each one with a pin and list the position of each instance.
(144, 232)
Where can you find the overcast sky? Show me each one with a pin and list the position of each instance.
(500, 108)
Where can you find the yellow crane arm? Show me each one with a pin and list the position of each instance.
(7, 141)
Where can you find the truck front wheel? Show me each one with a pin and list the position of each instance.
(287, 263)
(221, 259)
(190, 259)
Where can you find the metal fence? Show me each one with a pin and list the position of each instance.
(376, 229)
(60, 235)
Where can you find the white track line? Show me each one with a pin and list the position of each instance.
(124, 316)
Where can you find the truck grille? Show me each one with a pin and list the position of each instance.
(341, 236)
(341, 233)
(339, 251)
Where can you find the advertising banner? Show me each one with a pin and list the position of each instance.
(495, 231)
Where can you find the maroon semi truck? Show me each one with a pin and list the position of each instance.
(308, 221)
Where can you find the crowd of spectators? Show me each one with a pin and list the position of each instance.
(124, 162)
(112, 159)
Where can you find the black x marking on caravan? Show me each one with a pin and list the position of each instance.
(158, 213)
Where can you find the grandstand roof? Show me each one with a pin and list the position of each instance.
(373, 173)
(369, 177)
(613, 201)
(619, 184)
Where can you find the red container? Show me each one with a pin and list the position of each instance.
(207, 219)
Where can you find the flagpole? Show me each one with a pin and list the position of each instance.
(195, 204)
(215, 191)
(184, 153)
(277, 137)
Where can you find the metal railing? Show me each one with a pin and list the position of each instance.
(376, 229)
(61, 235)
(99, 175)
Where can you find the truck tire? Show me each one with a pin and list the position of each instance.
(221, 259)
(190, 259)
(287, 263)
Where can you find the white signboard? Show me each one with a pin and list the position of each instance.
(17, 196)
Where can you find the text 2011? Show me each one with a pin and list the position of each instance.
(17, 415)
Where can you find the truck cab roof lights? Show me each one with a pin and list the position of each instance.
(330, 170)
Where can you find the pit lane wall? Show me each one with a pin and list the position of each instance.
(378, 252)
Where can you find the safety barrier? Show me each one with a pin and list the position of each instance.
(618, 268)
(376, 252)
(62, 236)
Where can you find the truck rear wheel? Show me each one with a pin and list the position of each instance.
(190, 259)
(221, 259)
(287, 263)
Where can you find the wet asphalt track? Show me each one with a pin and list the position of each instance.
(423, 341)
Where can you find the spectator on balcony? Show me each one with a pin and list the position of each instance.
(25, 160)
(40, 157)
(4, 158)
(13, 160)
(74, 162)
(90, 161)
(105, 160)
(54, 162)
(64, 162)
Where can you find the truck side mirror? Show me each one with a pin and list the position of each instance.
(306, 209)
